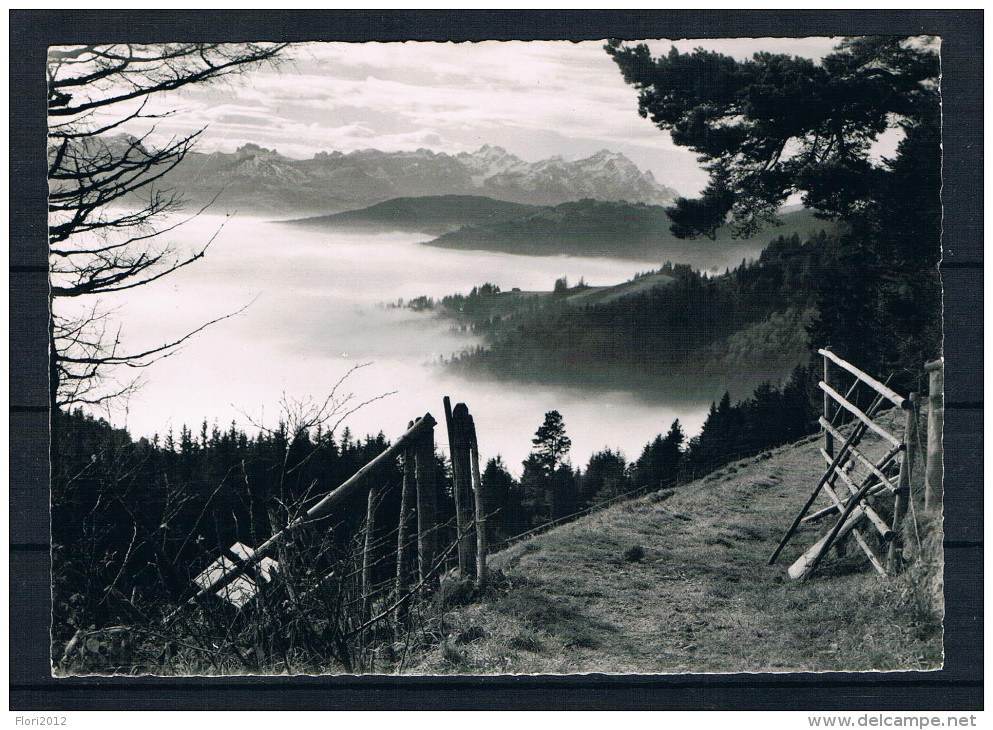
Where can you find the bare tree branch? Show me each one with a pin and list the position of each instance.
(107, 209)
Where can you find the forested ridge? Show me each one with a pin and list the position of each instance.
(598, 228)
(661, 338)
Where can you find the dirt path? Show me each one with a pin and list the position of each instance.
(701, 599)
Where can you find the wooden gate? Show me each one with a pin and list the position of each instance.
(857, 478)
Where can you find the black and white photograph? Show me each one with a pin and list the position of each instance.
(614, 357)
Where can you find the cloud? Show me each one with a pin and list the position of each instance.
(537, 99)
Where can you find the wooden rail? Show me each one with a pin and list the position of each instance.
(892, 396)
(857, 412)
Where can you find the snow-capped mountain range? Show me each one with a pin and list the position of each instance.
(261, 180)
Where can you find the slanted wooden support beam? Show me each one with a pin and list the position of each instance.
(855, 411)
(808, 562)
(868, 551)
(811, 558)
(884, 531)
(833, 509)
(865, 510)
(893, 397)
(323, 508)
(862, 457)
(840, 457)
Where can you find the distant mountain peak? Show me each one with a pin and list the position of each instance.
(490, 153)
(334, 181)
(250, 149)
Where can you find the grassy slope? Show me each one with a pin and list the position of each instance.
(702, 599)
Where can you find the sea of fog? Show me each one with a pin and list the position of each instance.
(314, 309)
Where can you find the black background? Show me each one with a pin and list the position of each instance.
(958, 686)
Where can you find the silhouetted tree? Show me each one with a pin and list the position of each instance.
(671, 451)
(775, 125)
(605, 477)
(542, 479)
(503, 500)
(107, 210)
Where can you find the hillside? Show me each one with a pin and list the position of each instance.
(603, 228)
(676, 334)
(485, 308)
(702, 598)
(432, 214)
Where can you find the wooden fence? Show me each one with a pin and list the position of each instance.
(860, 476)
(236, 575)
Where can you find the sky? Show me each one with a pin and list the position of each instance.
(537, 99)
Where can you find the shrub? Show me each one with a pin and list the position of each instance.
(634, 554)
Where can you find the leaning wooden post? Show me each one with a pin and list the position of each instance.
(406, 511)
(367, 556)
(462, 474)
(934, 487)
(427, 504)
(894, 556)
(477, 485)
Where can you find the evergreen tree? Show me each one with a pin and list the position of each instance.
(775, 125)
(671, 454)
(547, 488)
(605, 477)
(503, 501)
(551, 443)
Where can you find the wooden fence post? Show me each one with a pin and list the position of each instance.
(459, 443)
(427, 504)
(828, 438)
(894, 556)
(477, 484)
(934, 488)
(406, 510)
(367, 556)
